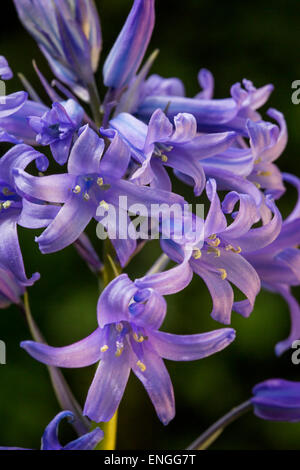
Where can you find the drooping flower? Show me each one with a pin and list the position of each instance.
(161, 144)
(128, 51)
(219, 258)
(50, 439)
(278, 265)
(129, 318)
(69, 35)
(94, 177)
(13, 212)
(277, 400)
(57, 128)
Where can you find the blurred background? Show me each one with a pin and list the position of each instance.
(258, 40)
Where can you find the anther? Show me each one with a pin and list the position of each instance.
(235, 250)
(120, 348)
(197, 253)
(86, 197)
(104, 348)
(77, 189)
(141, 365)
(138, 339)
(216, 242)
(100, 181)
(164, 158)
(214, 250)
(264, 173)
(104, 205)
(6, 204)
(223, 273)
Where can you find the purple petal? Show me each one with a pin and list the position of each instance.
(114, 301)
(19, 157)
(5, 70)
(80, 354)
(37, 215)
(206, 112)
(157, 383)
(10, 252)
(116, 159)
(220, 290)
(262, 236)
(12, 103)
(128, 51)
(109, 383)
(68, 225)
(50, 437)
(191, 347)
(168, 282)
(54, 188)
(61, 148)
(86, 442)
(86, 153)
(153, 312)
(206, 81)
(215, 221)
(277, 400)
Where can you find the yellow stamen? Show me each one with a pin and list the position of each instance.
(257, 161)
(141, 365)
(212, 237)
(104, 205)
(235, 250)
(197, 253)
(120, 348)
(138, 339)
(100, 181)
(77, 189)
(258, 185)
(223, 273)
(86, 197)
(264, 173)
(104, 348)
(214, 250)
(6, 204)
(216, 242)
(164, 158)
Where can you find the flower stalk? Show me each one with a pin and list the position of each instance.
(214, 431)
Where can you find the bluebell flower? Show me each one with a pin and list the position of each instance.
(57, 128)
(94, 177)
(50, 439)
(278, 265)
(212, 115)
(15, 211)
(277, 400)
(220, 257)
(128, 51)
(129, 318)
(68, 33)
(161, 144)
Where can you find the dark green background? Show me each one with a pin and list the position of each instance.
(258, 40)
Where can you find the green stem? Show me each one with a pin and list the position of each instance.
(63, 393)
(212, 433)
(95, 103)
(110, 271)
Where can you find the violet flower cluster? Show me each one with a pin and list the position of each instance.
(145, 133)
